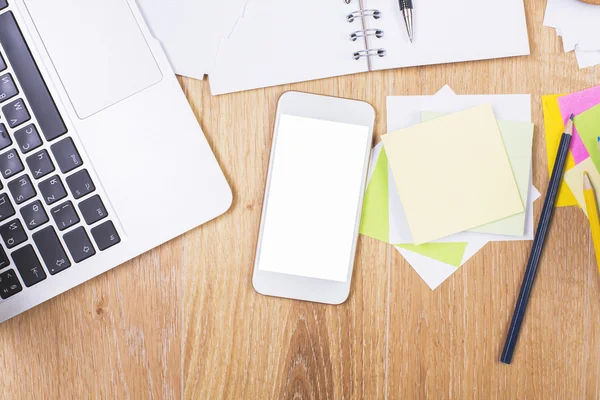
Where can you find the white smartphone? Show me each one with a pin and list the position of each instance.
(313, 198)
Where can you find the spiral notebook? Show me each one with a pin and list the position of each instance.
(284, 41)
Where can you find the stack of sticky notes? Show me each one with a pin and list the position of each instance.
(584, 155)
(453, 174)
(578, 24)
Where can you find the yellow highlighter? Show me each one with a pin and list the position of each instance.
(592, 211)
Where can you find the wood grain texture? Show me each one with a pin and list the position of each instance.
(183, 321)
(118, 336)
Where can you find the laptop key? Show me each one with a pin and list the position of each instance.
(3, 4)
(52, 190)
(40, 164)
(2, 62)
(80, 184)
(28, 265)
(4, 138)
(105, 235)
(79, 244)
(6, 208)
(4, 261)
(10, 164)
(22, 189)
(8, 89)
(25, 69)
(66, 155)
(16, 113)
(64, 215)
(51, 250)
(9, 284)
(34, 215)
(93, 210)
(13, 233)
(28, 138)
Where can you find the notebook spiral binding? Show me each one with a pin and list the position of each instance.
(369, 53)
(363, 33)
(376, 14)
(378, 33)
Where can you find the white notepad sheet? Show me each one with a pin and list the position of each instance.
(248, 44)
(449, 31)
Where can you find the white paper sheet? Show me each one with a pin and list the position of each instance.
(586, 59)
(190, 30)
(578, 24)
(435, 272)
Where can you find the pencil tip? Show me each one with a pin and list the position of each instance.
(569, 129)
(572, 117)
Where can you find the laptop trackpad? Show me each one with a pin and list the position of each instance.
(97, 49)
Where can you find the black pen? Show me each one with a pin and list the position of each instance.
(406, 7)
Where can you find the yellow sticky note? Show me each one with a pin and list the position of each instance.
(453, 174)
(375, 219)
(518, 141)
(574, 178)
(554, 127)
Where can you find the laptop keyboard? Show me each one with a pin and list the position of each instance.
(51, 216)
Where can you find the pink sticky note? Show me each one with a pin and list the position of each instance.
(577, 103)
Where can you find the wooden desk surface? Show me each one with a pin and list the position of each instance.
(183, 321)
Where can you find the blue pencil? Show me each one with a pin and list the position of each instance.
(538, 244)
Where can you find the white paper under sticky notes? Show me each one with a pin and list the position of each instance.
(518, 141)
(453, 174)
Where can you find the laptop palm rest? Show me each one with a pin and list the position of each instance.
(97, 49)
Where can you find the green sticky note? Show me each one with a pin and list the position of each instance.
(588, 127)
(449, 253)
(518, 141)
(375, 221)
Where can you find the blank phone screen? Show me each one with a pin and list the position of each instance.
(313, 198)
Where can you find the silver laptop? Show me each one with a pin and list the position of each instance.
(101, 158)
